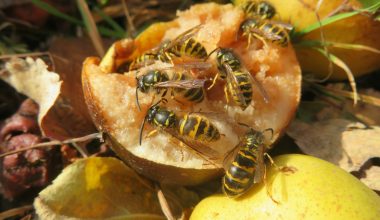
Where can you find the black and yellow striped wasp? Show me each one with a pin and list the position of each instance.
(258, 24)
(261, 9)
(183, 46)
(247, 166)
(180, 83)
(192, 129)
(239, 81)
(277, 32)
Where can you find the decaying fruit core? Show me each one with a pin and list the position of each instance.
(112, 102)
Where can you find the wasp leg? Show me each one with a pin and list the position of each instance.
(182, 145)
(174, 141)
(213, 81)
(227, 97)
(262, 40)
(249, 40)
(154, 132)
(169, 57)
(172, 96)
(283, 169)
(269, 192)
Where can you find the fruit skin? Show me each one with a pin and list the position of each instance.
(359, 29)
(160, 172)
(316, 190)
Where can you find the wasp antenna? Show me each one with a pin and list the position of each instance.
(271, 132)
(141, 130)
(243, 124)
(213, 51)
(137, 99)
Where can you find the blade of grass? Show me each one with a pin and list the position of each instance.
(316, 43)
(103, 30)
(91, 27)
(45, 6)
(346, 69)
(362, 98)
(333, 19)
(110, 21)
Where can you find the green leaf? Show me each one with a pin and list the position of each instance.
(45, 6)
(371, 9)
(103, 30)
(317, 43)
(368, 3)
(116, 27)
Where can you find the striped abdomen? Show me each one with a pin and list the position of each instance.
(240, 175)
(191, 48)
(243, 95)
(280, 35)
(198, 128)
(193, 95)
(261, 9)
(142, 60)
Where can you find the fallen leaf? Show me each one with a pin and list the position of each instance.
(101, 188)
(372, 178)
(32, 78)
(63, 114)
(345, 143)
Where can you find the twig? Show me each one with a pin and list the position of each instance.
(164, 203)
(55, 142)
(322, 35)
(131, 27)
(16, 211)
(91, 27)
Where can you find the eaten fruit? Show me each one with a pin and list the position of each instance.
(111, 95)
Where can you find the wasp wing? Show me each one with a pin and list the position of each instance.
(260, 171)
(234, 83)
(259, 86)
(182, 84)
(184, 36)
(284, 25)
(198, 147)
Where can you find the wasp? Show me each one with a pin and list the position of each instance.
(183, 45)
(248, 164)
(180, 83)
(260, 9)
(264, 30)
(190, 129)
(238, 80)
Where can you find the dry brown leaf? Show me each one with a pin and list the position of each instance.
(345, 143)
(372, 178)
(32, 78)
(63, 112)
(365, 112)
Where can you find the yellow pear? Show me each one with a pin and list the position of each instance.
(316, 189)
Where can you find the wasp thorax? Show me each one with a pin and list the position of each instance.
(249, 24)
(147, 81)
